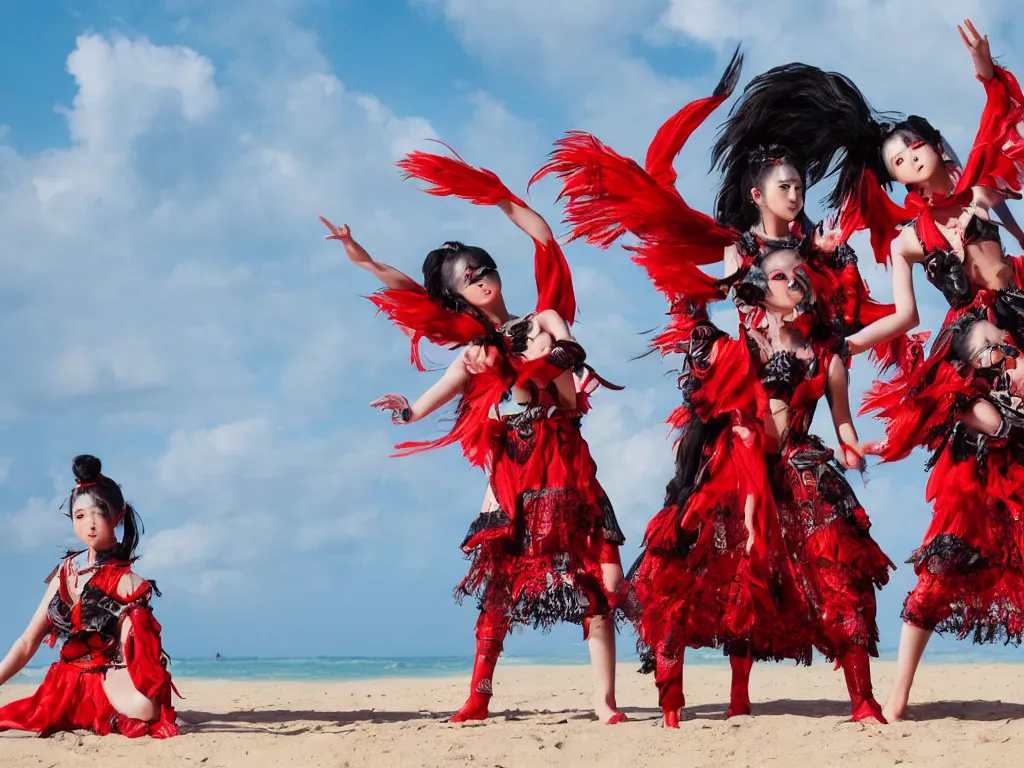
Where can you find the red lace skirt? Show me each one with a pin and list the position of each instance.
(837, 564)
(696, 586)
(970, 566)
(536, 558)
(72, 698)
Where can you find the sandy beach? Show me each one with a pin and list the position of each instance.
(541, 719)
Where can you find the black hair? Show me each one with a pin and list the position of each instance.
(799, 114)
(733, 206)
(690, 458)
(912, 128)
(108, 496)
(750, 286)
(438, 281)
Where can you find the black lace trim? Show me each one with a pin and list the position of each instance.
(485, 521)
(560, 602)
(947, 553)
(843, 256)
(612, 532)
(783, 372)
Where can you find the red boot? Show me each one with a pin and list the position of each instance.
(668, 676)
(739, 692)
(130, 727)
(490, 639)
(857, 667)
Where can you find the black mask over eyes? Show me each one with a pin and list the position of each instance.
(462, 271)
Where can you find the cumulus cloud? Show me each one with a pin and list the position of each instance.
(176, 311)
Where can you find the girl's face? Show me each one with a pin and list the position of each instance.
(987, 345)
(911, 161)
(477, 284)
(787, 282)
(781, 193)
(93, 526)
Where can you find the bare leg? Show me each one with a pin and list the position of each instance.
(912, 644)
(601, 642)
(124, 698)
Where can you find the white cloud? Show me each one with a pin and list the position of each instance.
(179, 314)
(40, 523)
(123, 85)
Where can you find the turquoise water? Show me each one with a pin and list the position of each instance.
(369, 668)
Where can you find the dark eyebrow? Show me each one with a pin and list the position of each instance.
(791, 181)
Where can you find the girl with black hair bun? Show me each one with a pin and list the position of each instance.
(545, 546)
(112, 674)
(762, 548)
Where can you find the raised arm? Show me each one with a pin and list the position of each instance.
(25, 647)
(528, 220)
(358, 255)
(978, 46)
(842, 418)
(442, 392)
(905, 251)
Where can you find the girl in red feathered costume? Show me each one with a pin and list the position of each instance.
(963, 571)
(762, 547)
(545, 547)
(112, 673)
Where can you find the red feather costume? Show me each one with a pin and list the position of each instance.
(71, 697)
(809, 578)
(970, 566)
(537, 554)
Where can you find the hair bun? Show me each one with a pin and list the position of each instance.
(86, 468)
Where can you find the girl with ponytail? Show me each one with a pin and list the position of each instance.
(112, 674)
(761, 548)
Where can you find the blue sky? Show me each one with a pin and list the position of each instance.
(171, 305)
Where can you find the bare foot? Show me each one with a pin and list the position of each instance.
(889, 713)
(607, 712)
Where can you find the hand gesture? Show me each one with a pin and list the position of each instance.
(401, 413)
(979, 48)
(852, 456)
(480, 358)
(342, 233)
(744, 434)
(827, 240)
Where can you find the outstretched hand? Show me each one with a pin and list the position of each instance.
(401, 413)
(479, 358)
(978, 45)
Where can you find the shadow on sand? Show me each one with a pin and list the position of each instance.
(296, 722)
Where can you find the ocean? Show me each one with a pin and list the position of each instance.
(328, 668)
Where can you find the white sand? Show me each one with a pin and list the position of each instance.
(970, 714)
